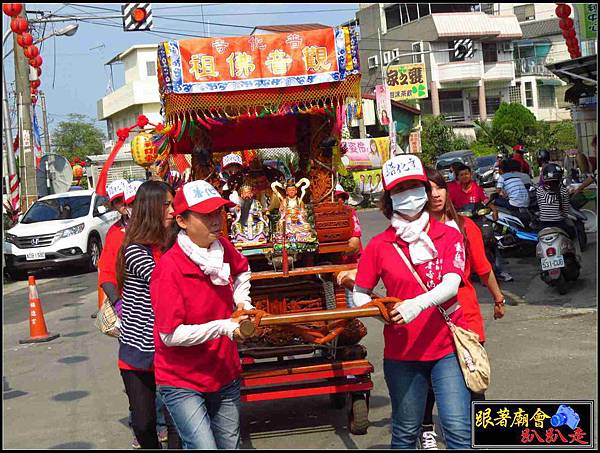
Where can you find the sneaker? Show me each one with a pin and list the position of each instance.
(505, 277)
(135, 444)
(163, 435)
(428, 440)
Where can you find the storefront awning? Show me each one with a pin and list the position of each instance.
(551, 82)
(583, 69)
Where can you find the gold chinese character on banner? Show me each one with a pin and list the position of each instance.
(240, 64)
(538, 417)
(203, 66)
(315, 58)
(484, 418)
(278, 62)
(503, 416)
(520, 418)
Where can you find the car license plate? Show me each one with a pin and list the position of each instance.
(31, 256)
(553, 263)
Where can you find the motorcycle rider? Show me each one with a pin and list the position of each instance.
(519, 151)
(543, 158)
(553, 200)
(465, 191)
(511, 192)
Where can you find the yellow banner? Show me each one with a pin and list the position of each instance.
(407, 81)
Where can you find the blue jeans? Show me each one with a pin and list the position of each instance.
(408, 383)
(205, 420)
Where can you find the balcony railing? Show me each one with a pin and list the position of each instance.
(531, 66)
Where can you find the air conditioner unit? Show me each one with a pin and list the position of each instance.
(387, 57)
(373, 61)
(507, 46)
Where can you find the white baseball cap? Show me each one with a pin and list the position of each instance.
(116, 189)
(198, 196)
(131, 190)
(403, 167)
(232, 158)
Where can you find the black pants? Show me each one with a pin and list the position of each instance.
(504, 203)
(140, 387)
(565, 225)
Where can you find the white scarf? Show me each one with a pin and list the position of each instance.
(420, 245)
(209, 259)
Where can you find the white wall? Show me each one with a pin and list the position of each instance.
(542, 10)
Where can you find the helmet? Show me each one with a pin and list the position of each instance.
(543, 157)
(552, 172)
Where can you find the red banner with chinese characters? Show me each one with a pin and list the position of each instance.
(257, 61)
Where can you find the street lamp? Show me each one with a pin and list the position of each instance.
(69, 30)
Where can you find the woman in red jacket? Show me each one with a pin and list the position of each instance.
(442, 209)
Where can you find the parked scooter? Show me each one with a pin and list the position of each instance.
(560, 262)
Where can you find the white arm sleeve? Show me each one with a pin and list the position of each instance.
(191, 335)
(446, 290)
(241, 290)
(361, 296)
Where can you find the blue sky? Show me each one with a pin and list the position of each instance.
(74, 74)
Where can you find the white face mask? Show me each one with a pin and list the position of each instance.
(410, 202)
(451, 176)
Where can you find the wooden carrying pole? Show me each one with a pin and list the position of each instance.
(248, 327)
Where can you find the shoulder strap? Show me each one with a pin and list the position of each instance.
(420, 281)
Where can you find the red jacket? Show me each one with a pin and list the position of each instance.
(107, 264)
(522, 162)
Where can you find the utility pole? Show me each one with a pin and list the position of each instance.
(45, 120)
(27, 161)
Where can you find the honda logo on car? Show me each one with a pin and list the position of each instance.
(35, 241)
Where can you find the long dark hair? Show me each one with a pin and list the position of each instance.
(449, 210)
(385, 202)
(146, 226)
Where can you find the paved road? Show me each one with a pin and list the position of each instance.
(68, 393)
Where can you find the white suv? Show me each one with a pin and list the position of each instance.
(59, 230)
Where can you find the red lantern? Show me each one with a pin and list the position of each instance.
(39, 71)
(34, 99)
(19, 24)
(570, 33)
(24, 39)
(33, 90)
(31, 52)
(566, 23)
(12, 9)
(35, 83)
(36, 62)
(572, 42)
(563, 10)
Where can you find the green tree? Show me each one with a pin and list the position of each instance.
(459, 143)
(513, 123)
(437, 138)
(565, 135)
(78, 137)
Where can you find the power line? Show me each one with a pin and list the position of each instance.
(202, 22)
(190, 6)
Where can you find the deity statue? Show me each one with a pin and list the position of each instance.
(292, 213)
(250, 226)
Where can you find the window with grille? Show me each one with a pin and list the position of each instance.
(525, 12)
(490, 52)
(491, 105)
(151, 68)
(514, 94)
(528, 94)
(546, 96)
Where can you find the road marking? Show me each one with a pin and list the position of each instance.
(514, 297)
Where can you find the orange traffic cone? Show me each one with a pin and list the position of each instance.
(37, 324)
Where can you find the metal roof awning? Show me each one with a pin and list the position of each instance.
(583, 69)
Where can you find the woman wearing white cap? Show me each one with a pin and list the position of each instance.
(107, 277)
(418, 343)
(195, 288)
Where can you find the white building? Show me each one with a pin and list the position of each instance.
(462, 86)
(121, 108)
(542, 43)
